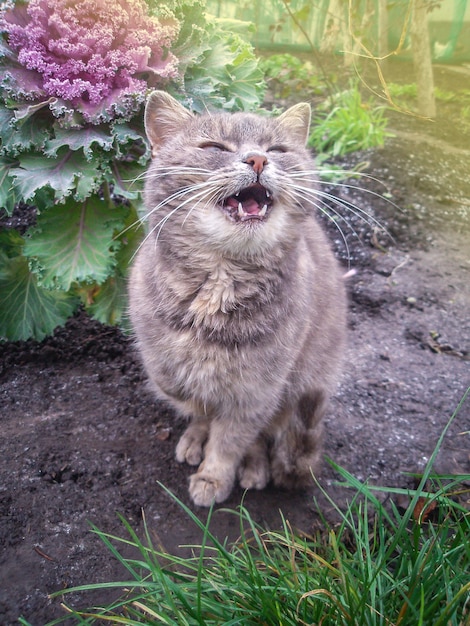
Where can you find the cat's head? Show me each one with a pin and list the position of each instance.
(230, 177)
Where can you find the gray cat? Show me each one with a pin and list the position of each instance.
(235, 297)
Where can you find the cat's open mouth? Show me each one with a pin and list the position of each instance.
(252, 203)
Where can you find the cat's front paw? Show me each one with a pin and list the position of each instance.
(190, 447)
(206, 489)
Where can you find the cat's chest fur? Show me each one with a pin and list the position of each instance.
(233, 302)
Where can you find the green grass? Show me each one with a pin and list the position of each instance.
(379, 565)
(410, 91)
(343, 122)
(346, 123)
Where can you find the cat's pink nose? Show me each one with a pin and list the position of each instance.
(257, 162)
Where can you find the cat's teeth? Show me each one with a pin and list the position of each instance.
(262, 213)
(241, 212)
(268, 195)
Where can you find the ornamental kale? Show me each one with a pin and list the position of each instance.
(90, 53)
(74, 75)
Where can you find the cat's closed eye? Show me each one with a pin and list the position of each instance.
(214, 146)
(278, 148)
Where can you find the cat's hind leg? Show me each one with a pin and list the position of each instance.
(296, 451)
(253, 472)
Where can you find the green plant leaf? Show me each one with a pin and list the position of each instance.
(6, 127)
(25, 111)
(90, 179)
(86, 139)
(127, 179)
(345, 123)
(22, 130)
(108, 301)
(130, 239)
(11, 243)
(227, 76)
(8, 193)
(75, 242)
(26, 309)
(245, 80)
(69, 172)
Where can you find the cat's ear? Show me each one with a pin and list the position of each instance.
(296, 121)
(164, 117)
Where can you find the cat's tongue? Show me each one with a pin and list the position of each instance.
(250, 203)
(250, 206)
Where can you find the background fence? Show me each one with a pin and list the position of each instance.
(327, 24)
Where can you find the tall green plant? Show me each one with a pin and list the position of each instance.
(345, 123)
(73, 82)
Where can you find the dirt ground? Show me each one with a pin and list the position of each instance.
(82, 439)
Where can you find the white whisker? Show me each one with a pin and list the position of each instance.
(174, 196)
(202, 194)
(352, 208)
(165, 171)
(174, 170)
(347, 204)
(212, 198)
(307, 174)
(313, 176)
(177, 194)
(206, 192)
(326, 210)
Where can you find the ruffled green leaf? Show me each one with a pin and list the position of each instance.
(86, 139)
(69, 173)
(25, 111)
(192, 37)
(75, 242)
(7, 129)
(11, 243)
(67, 116)
(130, 239)
(24, 128)
(26, 309)
(89, 180)
(228, 75)
(123, 133)
(246, 82)
(130, 144)
(108, 303)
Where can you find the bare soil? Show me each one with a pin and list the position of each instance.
(82, 439)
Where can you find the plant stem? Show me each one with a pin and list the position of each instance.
(315, 53)
(107, 194)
